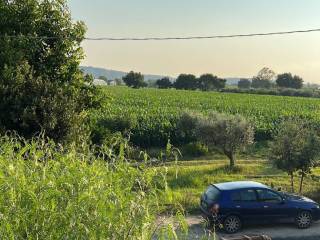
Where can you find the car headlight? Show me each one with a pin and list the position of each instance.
(318, 206)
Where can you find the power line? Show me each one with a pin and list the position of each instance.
(172, 38)
(201, 37)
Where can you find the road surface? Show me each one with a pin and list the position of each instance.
(276, 232)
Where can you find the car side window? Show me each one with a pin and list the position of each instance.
(268, 196)
(247, 195)
(236, 197)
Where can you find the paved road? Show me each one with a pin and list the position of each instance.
(277, 232)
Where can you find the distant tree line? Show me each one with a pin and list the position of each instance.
(267, 79)
(206, 82)
(290, 92)
(266, 82)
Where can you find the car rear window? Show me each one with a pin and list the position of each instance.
(212, 193)
(244, 196)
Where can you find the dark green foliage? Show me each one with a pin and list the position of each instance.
(41, 86)
(134, 80)
(164, 83)
(244, 83)
(286, 80)
(186, 82)
(103, 128)
(208, 82)
(186, 126)
(195, 150)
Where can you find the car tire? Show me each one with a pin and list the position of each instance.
(303, 220)
(232, 224)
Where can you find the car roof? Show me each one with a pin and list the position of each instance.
(239, 185)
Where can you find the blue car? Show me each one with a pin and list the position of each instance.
(234, 203)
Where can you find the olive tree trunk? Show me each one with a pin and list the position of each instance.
(301, 182)
(232, 158)
(292, 182)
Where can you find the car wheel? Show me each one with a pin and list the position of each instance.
(232, 224)
(303, 220)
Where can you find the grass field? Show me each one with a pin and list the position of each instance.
(155, 112)
(188, 180)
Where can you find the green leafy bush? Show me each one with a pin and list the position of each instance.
(41, 85)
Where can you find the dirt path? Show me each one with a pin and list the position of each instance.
(277, 232)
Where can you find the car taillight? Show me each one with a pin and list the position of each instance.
(215, 209)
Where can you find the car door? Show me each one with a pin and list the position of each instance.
(245, 203)
(273, 206)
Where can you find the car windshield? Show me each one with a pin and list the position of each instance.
(212, 193)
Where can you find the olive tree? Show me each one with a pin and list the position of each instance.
(295, 149)
(229, 133)
(309, 155)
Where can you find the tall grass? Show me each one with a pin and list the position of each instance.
(48, 192)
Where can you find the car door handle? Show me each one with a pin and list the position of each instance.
(238, 206)
(265, 206)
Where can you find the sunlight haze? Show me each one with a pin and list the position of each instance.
(241, 57)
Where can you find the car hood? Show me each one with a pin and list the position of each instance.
(294, 197)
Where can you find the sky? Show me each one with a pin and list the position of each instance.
(241, 57)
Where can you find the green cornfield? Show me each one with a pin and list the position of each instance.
(155, 112)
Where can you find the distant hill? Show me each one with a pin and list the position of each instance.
(113, 74)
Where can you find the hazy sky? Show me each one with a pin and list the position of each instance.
(299, 54)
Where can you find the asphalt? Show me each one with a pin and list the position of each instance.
(276, 232)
